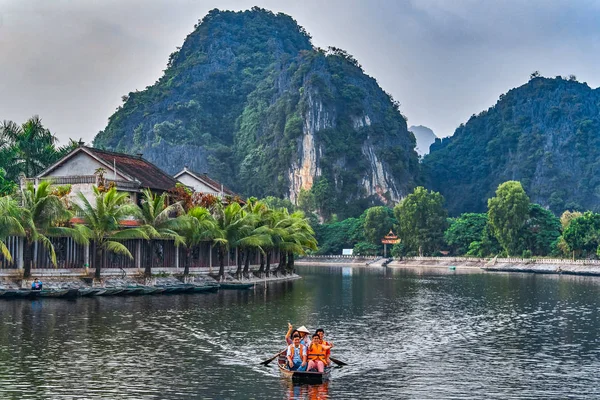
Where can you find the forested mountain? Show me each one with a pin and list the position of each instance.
(425, 138)
(249, 100)
(545, 134)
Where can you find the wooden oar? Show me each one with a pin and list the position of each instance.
(266, 362)
(338, 362)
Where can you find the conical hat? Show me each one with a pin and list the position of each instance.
(303, 329)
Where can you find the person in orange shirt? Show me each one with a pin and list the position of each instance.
(321, 334)
(316, 354)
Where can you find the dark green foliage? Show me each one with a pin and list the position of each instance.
(366, 249)
(507, 213)
(583, 234)
(7, 187)
(335, 236)
(542, 229)
(378, 222)
(28, 148)
(421, 221)
(239, 97)
(545, 134)
(464, 230)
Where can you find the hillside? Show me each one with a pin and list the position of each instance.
(425, 138)
(250, 101)
(545, 134)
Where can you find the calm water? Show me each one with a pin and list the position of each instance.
(407, 334)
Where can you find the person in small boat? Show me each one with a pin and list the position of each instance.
(36, 284)
(321, 334)
(296, 355)
(317, 354)
(302, 331)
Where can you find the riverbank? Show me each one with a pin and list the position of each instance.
(539, 266)
(83, 281)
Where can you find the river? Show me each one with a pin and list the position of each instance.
(407, 334)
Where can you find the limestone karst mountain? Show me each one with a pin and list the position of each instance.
(545, 134)
(249, 100)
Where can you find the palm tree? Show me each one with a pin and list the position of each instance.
(102, 223)
(263, 234)
(199, 226)
(235, 229)
(297, 237)
(29, 148)
(161, 221)
(45, 216)
(10, 225)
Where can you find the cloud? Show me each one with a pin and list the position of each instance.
(70, 61)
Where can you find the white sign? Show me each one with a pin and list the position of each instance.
(346, 252)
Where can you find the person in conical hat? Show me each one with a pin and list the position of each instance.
(302, 331)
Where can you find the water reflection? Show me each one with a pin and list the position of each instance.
(405, 333)
(300, 391)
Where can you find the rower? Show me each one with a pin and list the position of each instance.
(316, 354)
(296, 355)
(302, 331)
(321, 334)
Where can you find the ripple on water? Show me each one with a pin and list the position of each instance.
(406, 335)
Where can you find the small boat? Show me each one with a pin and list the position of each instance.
(205, 289)
(112, 291)
(236, 286)
(158, 290)
(303, 376)
(131, 290)
(147, 290)
(88, 291)
(174, 289)
(63, 293)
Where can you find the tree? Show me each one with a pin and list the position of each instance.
(197, 226)
(378, 222)
(508, 213)
(46, 216)
(583, 234)
(161, 221)
(11, 216)
(28, 148)
(232, 226)
(464, 230)
(7, 187)
(567, 217)
(421, 221)
(102, 223)
(541, 230)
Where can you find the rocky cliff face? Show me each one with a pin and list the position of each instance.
(545, 134)
(248, 100)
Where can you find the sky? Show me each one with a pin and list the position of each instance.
(70, 61)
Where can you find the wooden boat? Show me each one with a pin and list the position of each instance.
(174, 289)
(90, 291)
(158, 290)
(112, 291)
(205, 289)
(236, 286)
(63, 293)
(99, 292)
(303, 376)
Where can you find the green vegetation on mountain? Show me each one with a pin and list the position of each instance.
(248, 99)
(545, 134)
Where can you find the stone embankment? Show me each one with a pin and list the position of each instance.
(540, 266)
(337, 260)
(62, 279)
